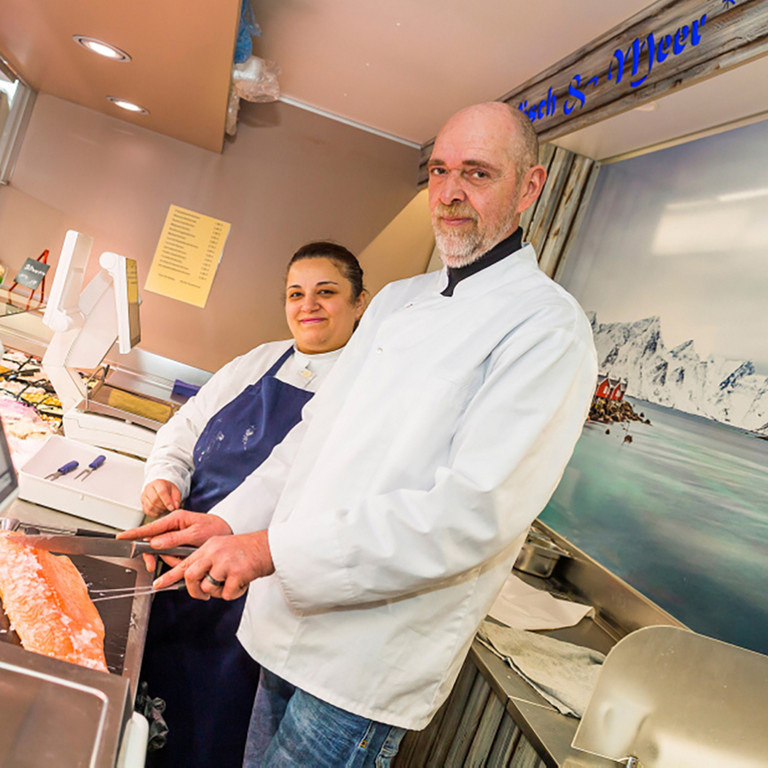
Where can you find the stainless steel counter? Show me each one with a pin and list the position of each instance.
(494, 717)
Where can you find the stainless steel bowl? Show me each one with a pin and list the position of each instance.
(539, 556)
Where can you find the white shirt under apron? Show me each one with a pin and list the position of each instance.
(172, 453)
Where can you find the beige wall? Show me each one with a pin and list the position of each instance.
(403, 246)
(289, 176)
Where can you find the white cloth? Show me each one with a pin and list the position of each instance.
(522, 606)
(172, 453)
(563, 673)
(440, 434)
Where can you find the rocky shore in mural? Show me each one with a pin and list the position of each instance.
(728, 391)
(604, 411)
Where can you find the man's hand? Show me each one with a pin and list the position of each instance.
(159, 497)
(235, 561)
(180, 528)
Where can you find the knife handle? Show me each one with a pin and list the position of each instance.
(36, 530)
(142, 547)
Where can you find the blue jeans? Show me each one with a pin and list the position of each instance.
(292, 729)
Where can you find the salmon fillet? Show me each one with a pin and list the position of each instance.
(48, 605)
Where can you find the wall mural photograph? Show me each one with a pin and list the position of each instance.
(668, 486)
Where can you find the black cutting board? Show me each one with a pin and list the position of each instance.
(116, 614)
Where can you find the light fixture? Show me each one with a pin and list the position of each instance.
(129, 106)
(102, 48)
(745, 194)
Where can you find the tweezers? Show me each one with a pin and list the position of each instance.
(114, 594)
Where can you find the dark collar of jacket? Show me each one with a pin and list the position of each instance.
(499, 251)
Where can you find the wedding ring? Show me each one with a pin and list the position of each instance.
(215, 582)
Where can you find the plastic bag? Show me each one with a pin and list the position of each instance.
(153, 710)
(256, 80)
(253, 80)
(245, 31)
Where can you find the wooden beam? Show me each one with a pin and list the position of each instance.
(671, 44)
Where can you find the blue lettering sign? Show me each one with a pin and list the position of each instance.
(545, 108)
(658, 54)
(678, 45)
(576, 93)
(649, 50)
(663, 50)
(695, 36)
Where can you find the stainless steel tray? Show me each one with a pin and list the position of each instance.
(53, 713)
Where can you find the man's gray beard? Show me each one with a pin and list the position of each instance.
(458, 250)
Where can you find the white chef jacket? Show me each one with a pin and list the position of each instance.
(172, 453)
(438, 437)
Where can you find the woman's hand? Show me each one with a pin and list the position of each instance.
(223, 567)
(159, 497)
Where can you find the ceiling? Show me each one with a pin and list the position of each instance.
(181, 58)
(403, 67)
(398, 67)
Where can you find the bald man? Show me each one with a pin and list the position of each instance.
(375, 538)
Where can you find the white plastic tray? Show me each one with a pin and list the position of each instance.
(109, 495)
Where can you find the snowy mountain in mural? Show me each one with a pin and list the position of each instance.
(725, 390)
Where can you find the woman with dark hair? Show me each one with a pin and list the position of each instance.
(193, 660)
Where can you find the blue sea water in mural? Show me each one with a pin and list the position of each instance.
(680, 513)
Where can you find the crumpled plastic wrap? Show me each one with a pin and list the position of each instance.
(252, 80)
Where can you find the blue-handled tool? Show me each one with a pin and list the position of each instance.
(63, 470)
(95, 464)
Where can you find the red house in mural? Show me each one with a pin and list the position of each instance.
(610, 389)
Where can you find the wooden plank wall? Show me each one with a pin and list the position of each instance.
(471, 730)
(553, 222)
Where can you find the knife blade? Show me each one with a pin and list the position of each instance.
(99, 546)
(20, 526)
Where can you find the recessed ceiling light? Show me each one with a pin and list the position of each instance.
(102, 48)
(127, 105)
(649, 106)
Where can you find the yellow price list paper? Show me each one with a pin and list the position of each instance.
(187, 256)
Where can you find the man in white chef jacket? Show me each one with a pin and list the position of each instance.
(376, 536)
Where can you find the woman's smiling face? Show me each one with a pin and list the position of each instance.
(319, 307)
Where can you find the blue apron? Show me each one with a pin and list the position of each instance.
(192, 659)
